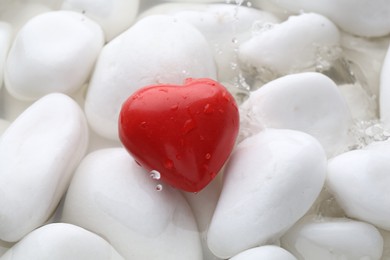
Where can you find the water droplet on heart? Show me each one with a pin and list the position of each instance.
(225, 96)
(201, 137)
(207, 109)
(168, 164)
(207, 156)
(174, 107)
(155, 175)
(143, 125)
(159, 187)
(188, 126)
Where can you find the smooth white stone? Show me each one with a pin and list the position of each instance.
(295, 45)
(61, 241)
(142, 56)
(384, 99)
(114, 16)
(38, 153)
(114, 197)
(203, 205)
(270, 181)
(308, 102)
(334, 238)
(359, 180)
(264, 252)
(224, 26)
(5, 41)
(359, 17)
(53, 52)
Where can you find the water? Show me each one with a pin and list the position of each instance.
(155, 175)
(159, 187)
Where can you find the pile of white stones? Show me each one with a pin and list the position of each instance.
(308, 179)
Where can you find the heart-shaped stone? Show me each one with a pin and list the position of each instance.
(185, 133)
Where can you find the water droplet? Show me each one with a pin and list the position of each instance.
(188, 126)
(168, 164)
(174, 107)
(201, 137)
(225, 96)
(234, 40)
(178, 156)
(207, 156)
(155, 175)
(159, 187)
(233, 65)
(143, 125)
(207, 109)
(249, 4)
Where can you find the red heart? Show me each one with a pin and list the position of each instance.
(186, 133)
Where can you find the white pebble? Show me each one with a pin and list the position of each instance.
(53, 52)
(114, 16)
(5, 41)
(270, 181)
(266, 253)
(113, 196)
(359, 17)
(385, 90)
(334, 238)
(224, 26)
(62, 241)
(292, 46)
(141, 56)
(308, 102)
(38, 153)
(359, 180)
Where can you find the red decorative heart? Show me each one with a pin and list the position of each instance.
(186, 133)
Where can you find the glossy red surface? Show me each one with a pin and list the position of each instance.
(184, 132)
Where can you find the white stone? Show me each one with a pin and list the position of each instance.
(53, 52)
(62, 241)
(114, 16)
(334, 238)
(308, 102)
(5, 41)
(38, 153)
(295, 45)
(264, 252)
(142, 56)
(359, 17)
(224, 26)
(359, 180)
(114, 197)
(384, 99)
(270, 181)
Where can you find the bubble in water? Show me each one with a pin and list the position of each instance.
(155, 175)
(159, 187)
